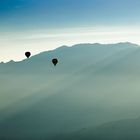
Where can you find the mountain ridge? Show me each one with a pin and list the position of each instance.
(74, 46)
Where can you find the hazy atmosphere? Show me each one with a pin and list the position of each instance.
(69, 70)
(40, 25)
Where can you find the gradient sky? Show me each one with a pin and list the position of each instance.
(39, 25)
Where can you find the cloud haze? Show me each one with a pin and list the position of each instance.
(13, 45)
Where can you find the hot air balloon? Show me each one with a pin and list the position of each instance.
(27, 54)
(55, 61)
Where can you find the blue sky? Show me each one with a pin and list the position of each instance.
(46, 17)
(29, 14)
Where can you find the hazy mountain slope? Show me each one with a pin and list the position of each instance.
(122, 130)
(92, 84)
(128, 129)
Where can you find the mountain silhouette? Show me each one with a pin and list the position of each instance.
(91, 85)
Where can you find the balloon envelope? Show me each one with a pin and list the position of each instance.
(55, 61)
(27, 54)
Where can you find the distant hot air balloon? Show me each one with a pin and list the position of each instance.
(27, 54)
(55, 61)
